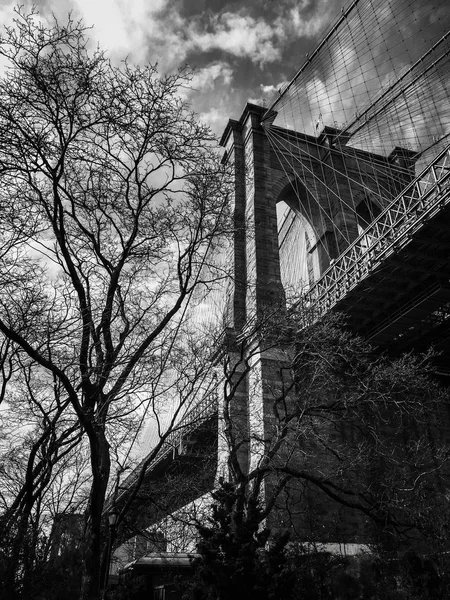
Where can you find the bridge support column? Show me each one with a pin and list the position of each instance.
(258, 286)
(258, 300)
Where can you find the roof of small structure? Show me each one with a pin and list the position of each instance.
(162, 560)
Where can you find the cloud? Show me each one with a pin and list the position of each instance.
(206, 78)
(259, 39)
(301, 21)
(239, 35)
(268, 92)
(159, 31)
(214, 117)
(119, 26)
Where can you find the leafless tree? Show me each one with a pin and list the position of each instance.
(43, 477)
(320, 435)
(112, 202)
(335, 422)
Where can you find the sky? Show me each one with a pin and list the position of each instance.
(241, 50)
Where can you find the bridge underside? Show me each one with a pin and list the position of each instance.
(182, 474)
(404, 304)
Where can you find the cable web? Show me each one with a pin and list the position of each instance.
(371, 109)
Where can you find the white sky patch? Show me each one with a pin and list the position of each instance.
(214, 118)
(297, 26)
(270, 90)
(241, 36)
(205, 79)
(111, 30)
(119, 26)
(7, 11)
(267, 93)
(267, 90)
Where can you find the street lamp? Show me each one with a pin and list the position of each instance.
(113, 516)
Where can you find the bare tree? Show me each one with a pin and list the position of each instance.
(42, 475)
(112, 201)
(322, 437)
(342, 421)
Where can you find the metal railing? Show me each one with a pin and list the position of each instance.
(200, 412)
(392, 230)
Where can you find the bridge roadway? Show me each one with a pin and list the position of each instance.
(181, 470)
(393, 282)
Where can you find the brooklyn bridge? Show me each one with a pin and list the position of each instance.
(341, 204)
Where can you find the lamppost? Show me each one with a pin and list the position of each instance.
(112, 521)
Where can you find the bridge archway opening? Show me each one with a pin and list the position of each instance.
(366, 212)
(303, 240)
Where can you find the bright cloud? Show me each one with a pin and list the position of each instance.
(228, 47)
(119, 26)
(238, 35)
(268, 92)
(108, 20)
(214, 118)
(205, 79)
(157, 31)
(300, 26)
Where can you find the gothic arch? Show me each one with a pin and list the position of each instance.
(305, 244)
(367, 210)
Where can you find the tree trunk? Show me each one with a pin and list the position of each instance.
(100, 461)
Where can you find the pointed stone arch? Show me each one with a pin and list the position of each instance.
(366, 210)
(304, 234)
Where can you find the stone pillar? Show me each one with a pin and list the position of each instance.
(264, 289)
(234, 156)
(258, 296)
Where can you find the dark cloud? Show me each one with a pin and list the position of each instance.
(241, 50)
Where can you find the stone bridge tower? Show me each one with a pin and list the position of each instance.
(262, 179)
(346, 182)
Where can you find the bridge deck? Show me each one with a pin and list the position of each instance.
(396, 290)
